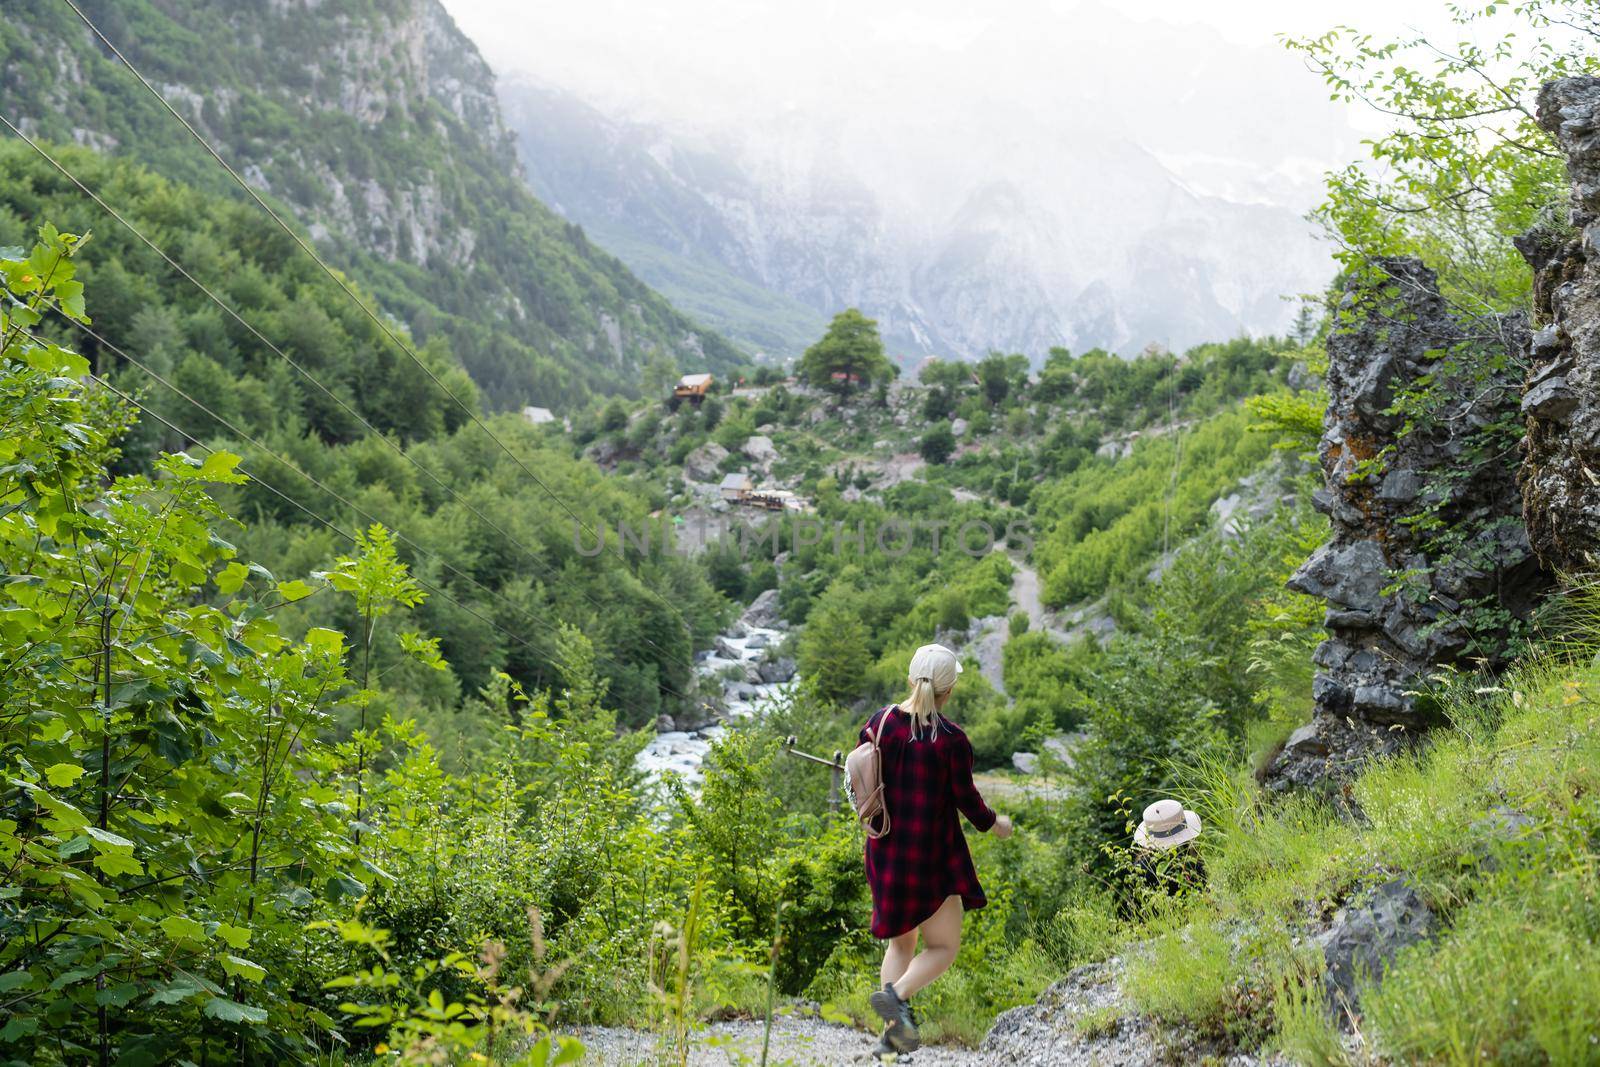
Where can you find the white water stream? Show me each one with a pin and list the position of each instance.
(744, 696)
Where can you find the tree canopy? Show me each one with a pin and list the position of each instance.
(849, 355)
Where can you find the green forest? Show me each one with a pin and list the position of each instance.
(322, 727)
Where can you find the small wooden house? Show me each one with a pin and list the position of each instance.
(693, 388)
(736, 487)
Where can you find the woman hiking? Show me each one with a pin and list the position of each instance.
(920, 872)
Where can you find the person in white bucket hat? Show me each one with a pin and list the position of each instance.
(1166, 825)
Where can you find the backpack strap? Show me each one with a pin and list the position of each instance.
(875, 733)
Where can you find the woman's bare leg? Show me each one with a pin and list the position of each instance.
(897, 956)
(941, 939)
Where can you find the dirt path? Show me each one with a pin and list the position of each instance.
(1025, 594)
(796, 1042)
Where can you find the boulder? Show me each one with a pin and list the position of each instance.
(778, 670)
(958, 427)
(665, 725)
(1363, 938)
(759, 449)
(1025, 762)
(763, 611)
(702, 464)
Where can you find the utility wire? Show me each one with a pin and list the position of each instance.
(214, 298)
(432, 588)
(342, 284)
(421, 551)
(346, 534)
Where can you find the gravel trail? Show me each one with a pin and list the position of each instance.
(796, 1042)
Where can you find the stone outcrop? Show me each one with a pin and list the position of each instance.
(701, 465)
(1363, 938)
(1402, 599)
(1561, 460)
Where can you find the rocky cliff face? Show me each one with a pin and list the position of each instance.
(1429, 561)
(1561, 465)
(378, 126)
(1105, 247)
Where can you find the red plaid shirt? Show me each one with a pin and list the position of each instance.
(924, 858)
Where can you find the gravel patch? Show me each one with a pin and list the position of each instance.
(796, 1042)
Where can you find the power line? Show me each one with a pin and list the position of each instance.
(346, 534)
(340, 282)
(421, 551)
(432, 588)
(214, 298)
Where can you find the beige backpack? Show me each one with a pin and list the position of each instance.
(863, 770)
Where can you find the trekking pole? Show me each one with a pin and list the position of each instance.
(836, 765)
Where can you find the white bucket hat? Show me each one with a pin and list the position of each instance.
(1166, 825)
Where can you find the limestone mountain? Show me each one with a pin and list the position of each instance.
(377, 124)
(1098, 242)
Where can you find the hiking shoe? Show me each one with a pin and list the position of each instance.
(902, 1034)
(885, 1052)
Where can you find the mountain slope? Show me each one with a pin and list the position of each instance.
(1096, 243)
(607, 177)
(376, 122)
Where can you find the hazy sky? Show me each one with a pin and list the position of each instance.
(913, 92)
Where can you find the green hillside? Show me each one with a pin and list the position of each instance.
(376, 124)
(438, 479)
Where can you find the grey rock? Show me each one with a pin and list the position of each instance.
(1385, 637)
(1306, 741)
(763, 611)
(1552, 399)
(664, 724)
(1025, 762)
(1085, 1020)
(760, 449)
(757, 641)
(1364, 937)
(1400, 486)
(776, 670)
(701, 464)
(1561, 452)
(958, 427)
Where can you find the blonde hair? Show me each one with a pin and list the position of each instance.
(933, 673)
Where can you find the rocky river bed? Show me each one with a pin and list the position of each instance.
(742, 673)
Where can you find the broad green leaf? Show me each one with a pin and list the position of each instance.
(118, 995)
(231, 578)
(106, 841)
(11, 980)
(62, 775)
(325, 641)
(219, 467)
(236, 936)
(183, 928)
(231, 1011)
(115, 863)
(243, 968)
(295, 590)
(175, 991)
